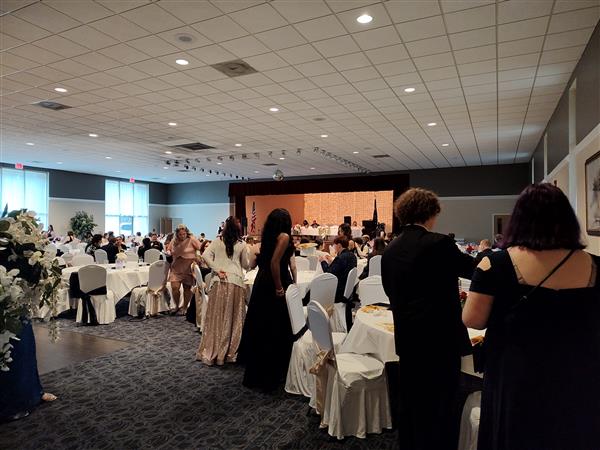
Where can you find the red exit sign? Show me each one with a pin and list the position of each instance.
(19, 166)
(132, 180)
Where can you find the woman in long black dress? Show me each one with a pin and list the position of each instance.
(540, 301)
(267, 337)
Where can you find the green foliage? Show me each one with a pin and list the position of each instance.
(82, 224)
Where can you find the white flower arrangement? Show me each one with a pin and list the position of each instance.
(29, 278)
(323, 231)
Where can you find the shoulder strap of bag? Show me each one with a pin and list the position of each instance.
(552, 272)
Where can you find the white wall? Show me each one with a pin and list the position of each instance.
(62, 209)
(155, 212)
(471, 218)
(201, 217)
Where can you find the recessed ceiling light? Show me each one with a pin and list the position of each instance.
(108, 157)
(365, 18)
(182, 62)
(58, 162)
(445, 145)
(431, 124)
(92, 135)
(60, 89)
(273, 109)
(172, 124)
(208, 174)
(312, 168)
(168, 152)
(324, 135)
(281, 158)
(165, 167)
(117, 171)
(219, 163)
(29, 143)
(256, 171)
(238, 145)
(356, 153)
(409, 90)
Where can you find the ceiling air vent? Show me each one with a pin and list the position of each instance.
(269, 164)
(52, 105)
(381, 156)
(235, 68)
(195, 146)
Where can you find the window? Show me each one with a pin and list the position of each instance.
(25, 189)
(126, 207)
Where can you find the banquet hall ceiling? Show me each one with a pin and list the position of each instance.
(488, 74)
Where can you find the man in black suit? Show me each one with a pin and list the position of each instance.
(420, 271)
(341, 266)
(485, 249)
(155, 243)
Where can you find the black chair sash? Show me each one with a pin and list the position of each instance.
(88, 312)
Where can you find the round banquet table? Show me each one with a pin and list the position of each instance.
(304, 279)
(373, 333)
(120, 281)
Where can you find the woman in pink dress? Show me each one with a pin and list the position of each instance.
(183, 251)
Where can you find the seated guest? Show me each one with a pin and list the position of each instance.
(104, 240)
(95, 244)
(358, 244)
(146, 245)
(70, 238)
(346, 230)
(485, 249)
(296, 243)
(343, 263)
(355, 223)
(155, 243)
(305, 223)
(497, 242)
(378, 248)
(315, 224)
(137, 239)
(112, 249)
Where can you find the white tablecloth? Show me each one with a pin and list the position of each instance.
(372, 334)
(304, 279)
(120, 281)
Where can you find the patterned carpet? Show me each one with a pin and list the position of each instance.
(153, 394)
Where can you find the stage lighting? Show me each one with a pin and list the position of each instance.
(278, 175)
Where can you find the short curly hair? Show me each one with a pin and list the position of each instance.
(416, 205)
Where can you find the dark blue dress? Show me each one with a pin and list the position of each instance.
(20, 387)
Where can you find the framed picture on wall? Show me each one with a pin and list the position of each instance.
(592, 194)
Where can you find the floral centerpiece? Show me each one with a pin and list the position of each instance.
(297, 229)
(323, 231)
(29, 278)
(121, 260)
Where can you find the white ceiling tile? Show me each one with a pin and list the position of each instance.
(178, 79)
(190, 12)
(321, 28)
(562, 55)
(267, 61)
(97, 61)
(62, 46)
(379, 37)
(246, 46)
(21, 29)
(127, 73)
(301, 11)
(475, 54)
(220, 29)
(89, 37)
(72, 67)
(300, 54)
(281, 38)
(45, 17)
(439, 73)
(153, 67)
(567, 5)
(364, 73)
(568, 39)
(7, 42)
(352, 61)
(421, 29)
(227, 84)
(340, 89)
(520, 47)
(477, 67)
(315, 68)
(396, 68)
(474, 38)
(523, 29)
(331, 79)
(228, 6)
(212, 54)
(516, 74)
(207, 74)
(516, 62)
(470, 19)
(119, 28)
(370, 85)
(50, 74)
(430, 46)
(378, 13)
(152, 18)
(574, 20)
(556, 69)
(405, 80)
(102, 79)
(403, 11)
(387, 54)
(283, 74)
(336, 46)
(153, 46)
(299, 85)
(255, 79)
(120, 6)
(81, 10)
(123, 53)
(449, 83)
(433, 61)
(482, 78)
(259, 18)
(516, 10)
(32, 53)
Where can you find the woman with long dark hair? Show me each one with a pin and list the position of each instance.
(540, 302)
(226, 256)
(267, 338)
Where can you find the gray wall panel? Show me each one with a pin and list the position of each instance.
(558, 134)
(588, 87)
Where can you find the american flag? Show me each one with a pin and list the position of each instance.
(253, 219)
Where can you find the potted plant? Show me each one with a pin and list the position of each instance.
(82, 224)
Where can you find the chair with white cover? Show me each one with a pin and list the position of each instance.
(101, 256)
(200, 296)
(353, 395)
(61, 262)
(469, 422)
(322, 289)
(370, 290)
(313, 262)
(50, 249)
(132, 257)
(302, 264)
(375, 265)
(338, 319)
(67, 258)
(91, 278)
(152, 255)
(82, 260)
(81, 246)
(154, 297)
(299, 380)
(64, 248)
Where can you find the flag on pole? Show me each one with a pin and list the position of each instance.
(253, 219)
(375, 219)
